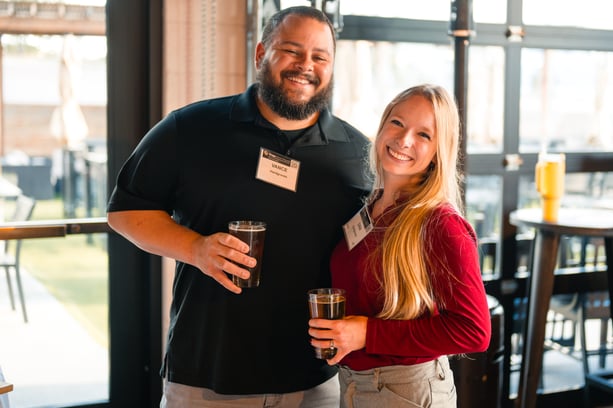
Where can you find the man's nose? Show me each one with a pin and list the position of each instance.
(304, 63)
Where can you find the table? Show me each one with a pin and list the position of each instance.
(571, 221)
(5, 387)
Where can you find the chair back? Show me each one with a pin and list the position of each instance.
(24, 207)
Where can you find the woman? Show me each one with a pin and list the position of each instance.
(413, 285)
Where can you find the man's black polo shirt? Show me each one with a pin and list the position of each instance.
(199, 164)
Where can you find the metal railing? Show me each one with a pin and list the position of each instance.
(52, 228)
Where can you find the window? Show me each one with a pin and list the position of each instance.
(53, 150)
(566, 106)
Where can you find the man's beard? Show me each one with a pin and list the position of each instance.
(273, 96)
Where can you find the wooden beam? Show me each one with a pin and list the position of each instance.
(11, 25)
(18, 17)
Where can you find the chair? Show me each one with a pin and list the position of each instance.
(568, 312)
(9, 259)
(581, 307)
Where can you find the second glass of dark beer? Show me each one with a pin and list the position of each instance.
(252, 233)
(326, 303)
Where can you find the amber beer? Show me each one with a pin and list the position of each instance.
(549, 179)
(252, 233)
(326, 303)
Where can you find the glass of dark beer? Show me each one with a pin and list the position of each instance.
(252, 233)
(326, 303)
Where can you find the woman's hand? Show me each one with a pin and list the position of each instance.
(346, 335)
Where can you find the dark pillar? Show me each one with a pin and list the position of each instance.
(461, 27)
(134, 34)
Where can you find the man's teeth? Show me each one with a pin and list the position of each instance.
(300, 80)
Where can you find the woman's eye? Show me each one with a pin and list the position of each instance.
(396, 122)
(425, 135)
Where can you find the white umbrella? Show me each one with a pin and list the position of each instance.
(67, 122)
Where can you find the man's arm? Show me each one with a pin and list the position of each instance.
(156, 232)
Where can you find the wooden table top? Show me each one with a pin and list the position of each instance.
(5, 387)
(571, 221)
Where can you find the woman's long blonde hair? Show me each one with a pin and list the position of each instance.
(406, 283)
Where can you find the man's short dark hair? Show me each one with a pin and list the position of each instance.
(303, 11)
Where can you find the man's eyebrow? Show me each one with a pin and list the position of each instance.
(298, 45)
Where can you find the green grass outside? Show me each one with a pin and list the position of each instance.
(73, 270)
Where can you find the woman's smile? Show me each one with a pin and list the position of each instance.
(397, 155)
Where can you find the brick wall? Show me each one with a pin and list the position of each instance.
(28, 128)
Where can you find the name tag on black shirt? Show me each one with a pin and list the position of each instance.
(279, 170)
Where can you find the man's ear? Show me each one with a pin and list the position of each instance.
(259, 55)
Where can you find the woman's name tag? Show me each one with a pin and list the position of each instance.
(357, 228)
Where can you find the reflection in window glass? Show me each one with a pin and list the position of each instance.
(483, 203)
(369, 74)
(601, 186)
(60, 357)
(588, 190)
(595, 14)
(483, 211)
(566, 106)
(490, 11)
(54, 133)
(413, 9)
(593, 190)
(580, 190)
(54, 150)
(527, 195)
(485, 99)
(485, 11)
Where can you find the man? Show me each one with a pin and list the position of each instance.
(273, 153)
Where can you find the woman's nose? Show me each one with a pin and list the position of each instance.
(405, 139)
